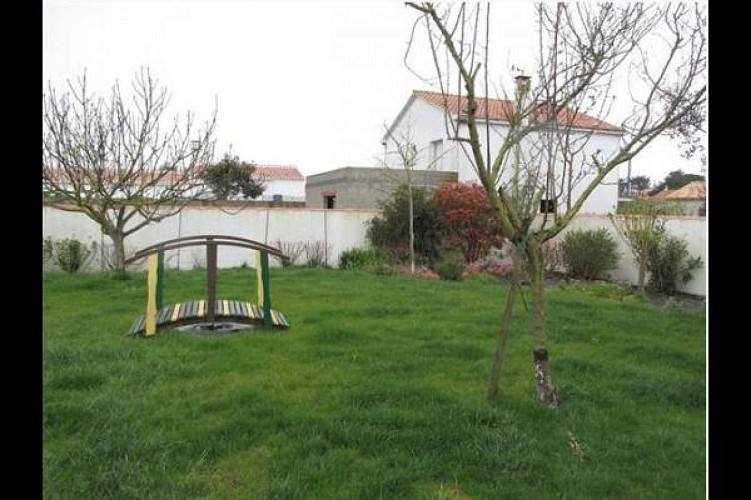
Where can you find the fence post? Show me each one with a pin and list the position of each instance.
(210, 280)
(259, 278)
(267, 319)
(160, 279)
(151, 292)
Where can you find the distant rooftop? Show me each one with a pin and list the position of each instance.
(278, 173)
(696, 190)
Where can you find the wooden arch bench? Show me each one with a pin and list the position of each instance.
(210, 310)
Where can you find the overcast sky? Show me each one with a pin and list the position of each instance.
(303, 83)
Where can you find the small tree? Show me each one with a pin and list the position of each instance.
(391, 229)
(407, 158)
(642, 225)
(544, 153)
(230, 177)
(676, 180)
(468, 221)
(117, 161)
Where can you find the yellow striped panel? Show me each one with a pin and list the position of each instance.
(225, 307)
(201, 308)
(151, 280)
(176, 312)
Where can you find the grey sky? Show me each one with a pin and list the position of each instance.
(303, 83)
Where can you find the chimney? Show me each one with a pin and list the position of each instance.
(522, 90)
(522, 83)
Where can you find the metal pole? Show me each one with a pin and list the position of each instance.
(160, 280)
(325, 238)
(179, 234)
(266, 233)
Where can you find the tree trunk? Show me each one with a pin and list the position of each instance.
(642, 274)
(503, 332)
(501, 342)
(118, 253)
(411, 229)
(546, 392)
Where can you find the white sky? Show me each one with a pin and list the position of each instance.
(303, 83)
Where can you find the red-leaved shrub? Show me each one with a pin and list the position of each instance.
(468, 221)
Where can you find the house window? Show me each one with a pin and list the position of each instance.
(436, 150)
(547, 206)
(329, 199)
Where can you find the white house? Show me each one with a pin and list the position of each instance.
(423, 120)
(281, 182)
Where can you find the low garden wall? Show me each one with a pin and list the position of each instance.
(329, 232)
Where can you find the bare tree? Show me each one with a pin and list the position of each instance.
(545, 155)
(407, 158)
(118, 161)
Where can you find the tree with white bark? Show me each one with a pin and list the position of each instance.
(545, 152)
(119, 161)
(407, 157)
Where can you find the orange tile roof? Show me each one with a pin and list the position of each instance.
(501, 109)
(278, 173)
(696, 190)
(662, 195)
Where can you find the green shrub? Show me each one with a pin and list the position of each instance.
(47, 249)
(668, 263)
(589, 254)
(358, 258)
(450, 266)
(316, 253)
(68, 254)
(390, 229)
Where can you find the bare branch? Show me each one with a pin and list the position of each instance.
(115, 161)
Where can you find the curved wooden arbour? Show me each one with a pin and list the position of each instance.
(209, 310)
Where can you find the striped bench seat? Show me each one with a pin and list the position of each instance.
(194, 311)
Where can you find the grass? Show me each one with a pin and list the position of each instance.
(377, 391)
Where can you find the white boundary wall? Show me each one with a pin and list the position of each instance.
(340, 229)
(692, 229)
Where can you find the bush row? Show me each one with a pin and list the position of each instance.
(455, 231)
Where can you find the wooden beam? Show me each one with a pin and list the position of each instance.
(267, 320)
(151, 292)
(160, 280)
(259, 277)
(210, 281)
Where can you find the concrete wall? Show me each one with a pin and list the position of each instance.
(358, 187)
(340, 229)
(290, 190)
(692, 229)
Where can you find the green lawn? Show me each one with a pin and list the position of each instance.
(377, 391)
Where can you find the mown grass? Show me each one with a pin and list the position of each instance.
(377, 391)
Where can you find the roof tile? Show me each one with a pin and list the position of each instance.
(278, 173)
(501, 109)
